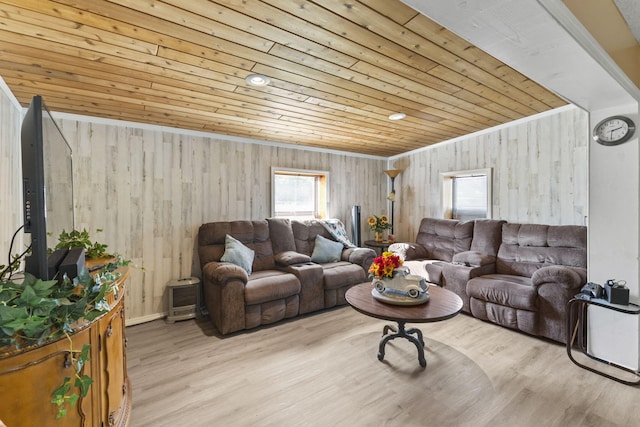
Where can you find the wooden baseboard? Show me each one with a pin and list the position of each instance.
(144, 319)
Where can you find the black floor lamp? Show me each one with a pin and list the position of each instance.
(392, 173)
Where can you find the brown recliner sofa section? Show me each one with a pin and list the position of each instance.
(516, 275)
(438, 241)
(538, 269)
(283, 283)
(337, 276)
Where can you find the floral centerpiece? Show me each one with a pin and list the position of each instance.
(378, 224)
(393, 284)
(384, 265)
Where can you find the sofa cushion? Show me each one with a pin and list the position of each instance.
(304, 234)
(252, 234)
(269, 285)
(506, 290)
(290, 258)
(443, 238)
(281, 235)
(237, 253)
(487, 236)
(339, 274)
(526, 248)
(523, 320)
(326, 250)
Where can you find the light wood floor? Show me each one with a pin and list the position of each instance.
(322, 370)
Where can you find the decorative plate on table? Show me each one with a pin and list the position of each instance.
(396, 299)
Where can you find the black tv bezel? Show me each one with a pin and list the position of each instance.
(34, 187)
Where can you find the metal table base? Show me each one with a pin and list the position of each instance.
(408, 334)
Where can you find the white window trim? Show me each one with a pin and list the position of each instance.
(447, 189)
(275, 169)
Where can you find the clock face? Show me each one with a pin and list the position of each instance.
(614, 130)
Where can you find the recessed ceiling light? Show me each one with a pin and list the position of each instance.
(397, 116)
(257, 80)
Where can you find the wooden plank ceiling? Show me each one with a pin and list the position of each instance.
(338, 69)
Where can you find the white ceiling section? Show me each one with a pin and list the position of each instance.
(630, 10)
(538, 38)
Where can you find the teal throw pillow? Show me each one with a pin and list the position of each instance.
(238, 254)
(326, 250)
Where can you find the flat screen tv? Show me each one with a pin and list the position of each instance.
(47, 178)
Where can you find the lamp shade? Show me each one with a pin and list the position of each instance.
(392, 173)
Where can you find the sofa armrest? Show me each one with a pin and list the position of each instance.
(223, 272)
(409, 251)
(473, 259)
(223, 288)
(556, 285)
(290, 257)
(459, 274)
(360, 256)
(567, 277)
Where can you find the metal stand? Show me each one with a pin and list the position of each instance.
(392, 173)
(402, 333)
(576, 324)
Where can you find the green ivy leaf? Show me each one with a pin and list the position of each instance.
(35, 327)
(62, 412)
(60, 391)
(77, 309)
(44, 288)
(73, 399)
(93, 314)
(8, 313)
(29, 280)
(29, 297)
(7, 295)
(83, 383)
(83, 357)
(45, 308)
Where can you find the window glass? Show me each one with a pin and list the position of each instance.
(299, 194)
(469, 197)
(467, 194)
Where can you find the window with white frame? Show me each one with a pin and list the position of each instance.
(298, 194)
(467, 194)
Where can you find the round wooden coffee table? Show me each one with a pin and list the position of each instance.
(442, 304)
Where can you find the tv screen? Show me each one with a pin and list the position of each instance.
(47, 174)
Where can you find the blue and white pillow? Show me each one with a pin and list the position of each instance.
(326, 250)
(237, 253)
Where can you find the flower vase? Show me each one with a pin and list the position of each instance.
(377, 236)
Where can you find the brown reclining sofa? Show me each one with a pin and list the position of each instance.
(293, 267)
(516, 275)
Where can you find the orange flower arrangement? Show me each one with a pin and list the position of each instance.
(384, 265)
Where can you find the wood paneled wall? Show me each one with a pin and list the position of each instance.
(540, 172)
(10, 177)
(151, 189)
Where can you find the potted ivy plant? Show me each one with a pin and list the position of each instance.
(34, 312)
(81, 239)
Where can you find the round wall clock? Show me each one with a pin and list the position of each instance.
(614, 130)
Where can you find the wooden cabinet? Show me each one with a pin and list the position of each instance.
(115, 390)
(27, 377)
